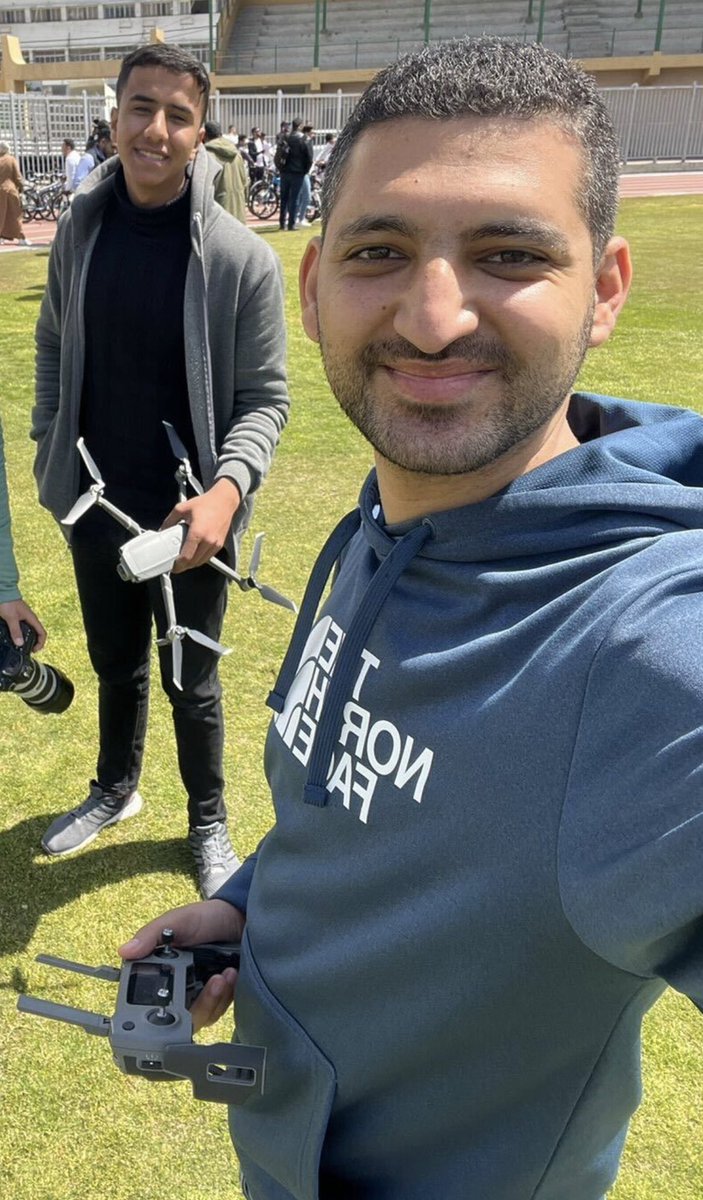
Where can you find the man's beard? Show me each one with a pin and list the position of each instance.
(454, 439)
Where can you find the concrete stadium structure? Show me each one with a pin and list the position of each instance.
(324, 45)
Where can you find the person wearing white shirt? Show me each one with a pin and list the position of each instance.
(71, 160)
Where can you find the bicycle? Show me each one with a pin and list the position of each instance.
(265, 197)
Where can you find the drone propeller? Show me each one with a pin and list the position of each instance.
(94, 495)
(90, 462)
(256, 554)
(175, 633)
(267, 592)
(83, 503)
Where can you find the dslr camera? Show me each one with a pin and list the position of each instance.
(42, 687)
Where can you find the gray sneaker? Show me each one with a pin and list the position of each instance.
(214, 857)
(78, 828)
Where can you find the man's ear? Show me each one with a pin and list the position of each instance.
(113, 124)
(613, 279)
(307, 283)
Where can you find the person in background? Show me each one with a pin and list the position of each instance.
(11, 184)
(95, 152)
(294, 157)
(323, 154)
(71, 158)
(306, 189)
(255, 148)
(178, 318)
(232, 182)
(283, 131)
(243, 148)
(12, 607)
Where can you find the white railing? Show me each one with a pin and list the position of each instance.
(653, 123)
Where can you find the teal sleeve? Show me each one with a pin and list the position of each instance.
(9, 575)
(631, 838)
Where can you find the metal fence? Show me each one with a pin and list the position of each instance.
(35, 126)
(654, 124)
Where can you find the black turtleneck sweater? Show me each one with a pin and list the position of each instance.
(135, 376)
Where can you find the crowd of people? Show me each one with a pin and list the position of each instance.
(486, 743)
(243, 161)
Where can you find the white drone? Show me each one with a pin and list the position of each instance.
(151, 553)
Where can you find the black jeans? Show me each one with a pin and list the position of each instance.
(118, 617)
(291, 185)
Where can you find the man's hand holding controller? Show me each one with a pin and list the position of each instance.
(193, 924)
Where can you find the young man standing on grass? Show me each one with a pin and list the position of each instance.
(159, 307)
(486, 758)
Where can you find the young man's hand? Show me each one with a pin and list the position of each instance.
(208, 518)
(14, 611)
(207, 921)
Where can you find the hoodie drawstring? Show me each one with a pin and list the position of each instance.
(404, 550)
(326, 560)
(315, 791)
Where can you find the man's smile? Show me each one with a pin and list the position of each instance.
(439, 382)
(151, 155)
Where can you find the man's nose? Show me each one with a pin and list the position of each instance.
(438, 307)
(158, 126)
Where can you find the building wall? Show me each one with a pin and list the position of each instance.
(52, 32)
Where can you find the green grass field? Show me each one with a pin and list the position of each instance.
(72, 1126)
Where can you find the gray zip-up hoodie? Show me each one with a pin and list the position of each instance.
(235, 345)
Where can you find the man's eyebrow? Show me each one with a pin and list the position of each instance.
(538, 233)
(380, 223)
(150, 100)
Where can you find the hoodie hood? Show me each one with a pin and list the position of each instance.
(636, 475)
(222, 148)
(97, 188)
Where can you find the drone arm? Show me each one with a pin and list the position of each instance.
(117, 513)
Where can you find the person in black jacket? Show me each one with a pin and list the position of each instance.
(293, 171)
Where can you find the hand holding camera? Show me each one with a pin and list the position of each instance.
(41, 686)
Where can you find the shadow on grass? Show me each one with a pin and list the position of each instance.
(34, 884)
(33, 291)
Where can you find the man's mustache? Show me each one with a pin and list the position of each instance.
(475, 349)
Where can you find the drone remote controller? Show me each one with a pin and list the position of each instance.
(151, 1031)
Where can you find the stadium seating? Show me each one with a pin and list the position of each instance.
(365, 33)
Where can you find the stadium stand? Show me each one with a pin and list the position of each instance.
(268, 38)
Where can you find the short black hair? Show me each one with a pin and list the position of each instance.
(212, 130)
(494, 77)
(171, 58)
(69, 142)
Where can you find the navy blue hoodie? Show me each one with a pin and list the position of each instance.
(486, 863)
